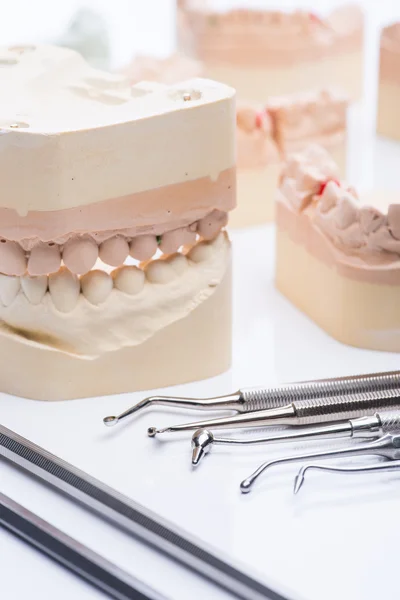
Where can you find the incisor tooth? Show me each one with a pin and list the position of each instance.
(44, 259)
(80, 255)
(64, 288)
(9, 288)
(96, 286)
(34, 288)
(12, 258)
(128, 279)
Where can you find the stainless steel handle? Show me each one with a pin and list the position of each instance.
(390, 421)
(347, 407)
(260, 398)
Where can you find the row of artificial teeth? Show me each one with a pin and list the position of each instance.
(65, 287)
(79, 254)
(262, 17)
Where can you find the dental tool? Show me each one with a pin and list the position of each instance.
(260, 398)
(300, 477)
(302, 412)
(135, 519)
(71, 554)
(387, 446)
(364, 427)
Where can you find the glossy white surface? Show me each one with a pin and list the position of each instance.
(337, 539)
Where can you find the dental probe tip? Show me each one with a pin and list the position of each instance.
(153, 431)
(298, 481)
(245, 486)
(202, 440)
(110, 421)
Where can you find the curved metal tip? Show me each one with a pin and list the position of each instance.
(298, 481)
(197, 455)
(110, 421)
(202, 440)
(152, 431)
(245, 486)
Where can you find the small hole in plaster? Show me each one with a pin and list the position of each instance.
(51, 244)
(186, 95)
(3, 241)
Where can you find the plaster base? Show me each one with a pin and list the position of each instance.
(193, 348)
(365, 315)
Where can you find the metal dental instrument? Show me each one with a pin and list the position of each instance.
(364, 427)
(132, 517)
(387, 446)
(303, 412)
(260, 398)
(387, 466)
(73, 555)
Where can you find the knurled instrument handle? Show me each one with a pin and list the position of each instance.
(346, 407)
(260, 398)
(390, 421)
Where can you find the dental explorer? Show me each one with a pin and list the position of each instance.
(387, 446)
(387, 466)
(364, 427)
(302, 412)
(260, 398)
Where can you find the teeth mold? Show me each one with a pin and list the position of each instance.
(109, 189)
(338, 255)
(263, 52)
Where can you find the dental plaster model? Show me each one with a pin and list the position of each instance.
(115, 275)
(286, 124)
(263, 53)
(388, 119)
(264, 135)
(173, 69)
(338, 257)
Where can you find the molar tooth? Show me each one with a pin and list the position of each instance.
(210, 225)
(370, 219)
(309, 179)
(171, 241)
(44, 259)
(114, 251)
(64, 288)
(330, 197)
(96, 286)
(345, 214)
(12, 258)
(128, 279)
(159, 271)
(200, 252)
(143, 247)
(80, 255)
(9, 288)
(189, 235)
(34, 288)
(178, 262)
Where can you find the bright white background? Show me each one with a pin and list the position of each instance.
(338, 538)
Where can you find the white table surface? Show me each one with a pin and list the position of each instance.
(337, 539)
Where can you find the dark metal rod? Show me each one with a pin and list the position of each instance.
(71, 554)
(132, 517)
